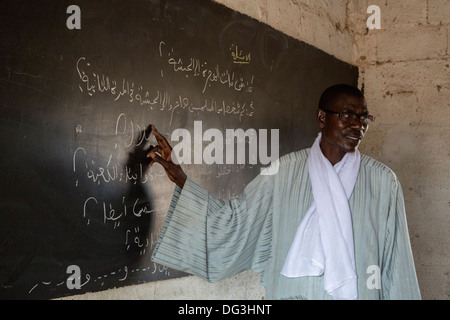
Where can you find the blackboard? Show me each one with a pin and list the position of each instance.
(75, 105)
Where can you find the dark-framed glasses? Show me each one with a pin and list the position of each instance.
(350, 116)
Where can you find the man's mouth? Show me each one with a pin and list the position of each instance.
(355, 137)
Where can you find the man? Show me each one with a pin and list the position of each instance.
(330, 224)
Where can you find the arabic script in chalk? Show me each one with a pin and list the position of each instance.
(238, 56)
(192, 66)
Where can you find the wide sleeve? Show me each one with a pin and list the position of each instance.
(213, 238)
(399, 280)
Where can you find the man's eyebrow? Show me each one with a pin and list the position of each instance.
(347, 105)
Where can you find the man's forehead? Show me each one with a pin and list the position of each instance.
(351, 102)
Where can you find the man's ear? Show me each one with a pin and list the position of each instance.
(321, 118)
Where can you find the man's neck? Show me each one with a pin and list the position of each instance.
(333, 157)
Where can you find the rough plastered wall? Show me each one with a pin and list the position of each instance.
(405, 72)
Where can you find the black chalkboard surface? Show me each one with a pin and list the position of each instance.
(74, 108)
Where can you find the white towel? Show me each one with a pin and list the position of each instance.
(323, 243)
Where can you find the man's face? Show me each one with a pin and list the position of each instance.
(339, 136)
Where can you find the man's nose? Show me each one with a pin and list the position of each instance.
(358, 124)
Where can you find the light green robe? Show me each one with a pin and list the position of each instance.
(215, 239)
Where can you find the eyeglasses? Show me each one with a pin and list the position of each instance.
(351, 117)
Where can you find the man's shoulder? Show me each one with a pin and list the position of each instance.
(285, 164)
(299, 156)
(377, 167)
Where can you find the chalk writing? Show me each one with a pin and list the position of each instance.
(215, 74)
(238, 56)
(48, 283)
(137, 136)
(119, 211)
(119, 275)
(132, 237)
(229, 169)
(106, 167)
(132, 136)
(113, 212)
(93, 82)
(111, 172)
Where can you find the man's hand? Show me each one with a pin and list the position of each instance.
(162, 154)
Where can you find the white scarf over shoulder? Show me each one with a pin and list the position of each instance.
(323, 243)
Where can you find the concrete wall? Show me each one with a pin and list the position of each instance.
(406, 73)
(406, 76)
